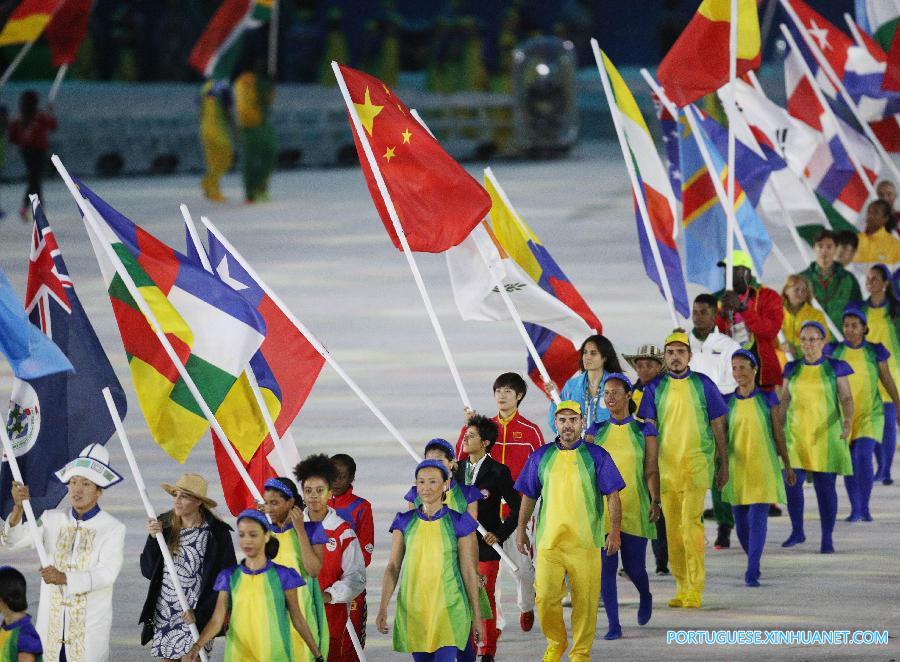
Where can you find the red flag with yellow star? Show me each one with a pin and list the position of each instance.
(438, 202)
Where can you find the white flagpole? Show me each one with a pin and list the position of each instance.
(57, 82)
(836, 81)
(330, 360)
(273, 41)
(248, 371)
(635, 187)
(151, 513)
(4, 79)
(92, 223)
(732, 75)
(401, 235)
(507, 300)
(31, 522)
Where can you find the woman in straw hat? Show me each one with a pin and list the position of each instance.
(86, 547)
(201, 547)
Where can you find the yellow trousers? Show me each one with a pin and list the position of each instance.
(582, 568)
(684, 533)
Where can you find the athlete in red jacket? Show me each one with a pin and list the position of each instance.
(358, 512)
(518, 438)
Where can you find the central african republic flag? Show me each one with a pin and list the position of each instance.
(213, 330)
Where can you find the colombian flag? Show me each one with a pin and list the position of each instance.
(28, 21)
(697, 63)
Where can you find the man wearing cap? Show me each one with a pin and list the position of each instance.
(649, 365)
(711, 353)
(86, 546)
(752, 314)
(832, 285)
(688, 413)
(571, 477)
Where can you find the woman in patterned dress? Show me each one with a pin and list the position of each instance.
(201, 546)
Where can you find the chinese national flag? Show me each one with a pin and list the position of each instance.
(438, 202)
(697, 63)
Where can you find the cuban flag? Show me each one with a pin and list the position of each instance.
(52, 418)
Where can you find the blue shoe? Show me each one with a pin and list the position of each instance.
(751, 582)
(614, 633)
(645, 610)
(867, 517)
(853, 517)
(887, 481)
(794, 540)
(827, 548)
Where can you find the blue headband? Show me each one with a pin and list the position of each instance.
(622, 378)
(256, 516)
(746, 354)
(815, 325)
(436, 464)
(278, 486)
(853, 311)
(440, 443)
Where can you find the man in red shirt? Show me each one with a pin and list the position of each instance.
(518, 438)
(358, 513)
(751, 314)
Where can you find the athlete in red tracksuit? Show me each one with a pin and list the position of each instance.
(343, 574)
(358, 512)
(518, 438)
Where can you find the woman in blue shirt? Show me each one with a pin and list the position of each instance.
(598, 359)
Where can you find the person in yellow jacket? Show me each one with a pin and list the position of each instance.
(254, 94)
(215, 135)
(876, 243)
(798, 309)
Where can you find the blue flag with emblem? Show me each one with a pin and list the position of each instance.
(52, 418)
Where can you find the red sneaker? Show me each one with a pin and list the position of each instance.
(526, 621)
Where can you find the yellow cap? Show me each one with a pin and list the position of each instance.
(739, 259)
(569, 404)
(677, 336)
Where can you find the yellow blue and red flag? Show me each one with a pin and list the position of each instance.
(705, 222)
(558, 353)
(654, 187)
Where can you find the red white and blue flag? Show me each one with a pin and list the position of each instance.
(51, 419)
